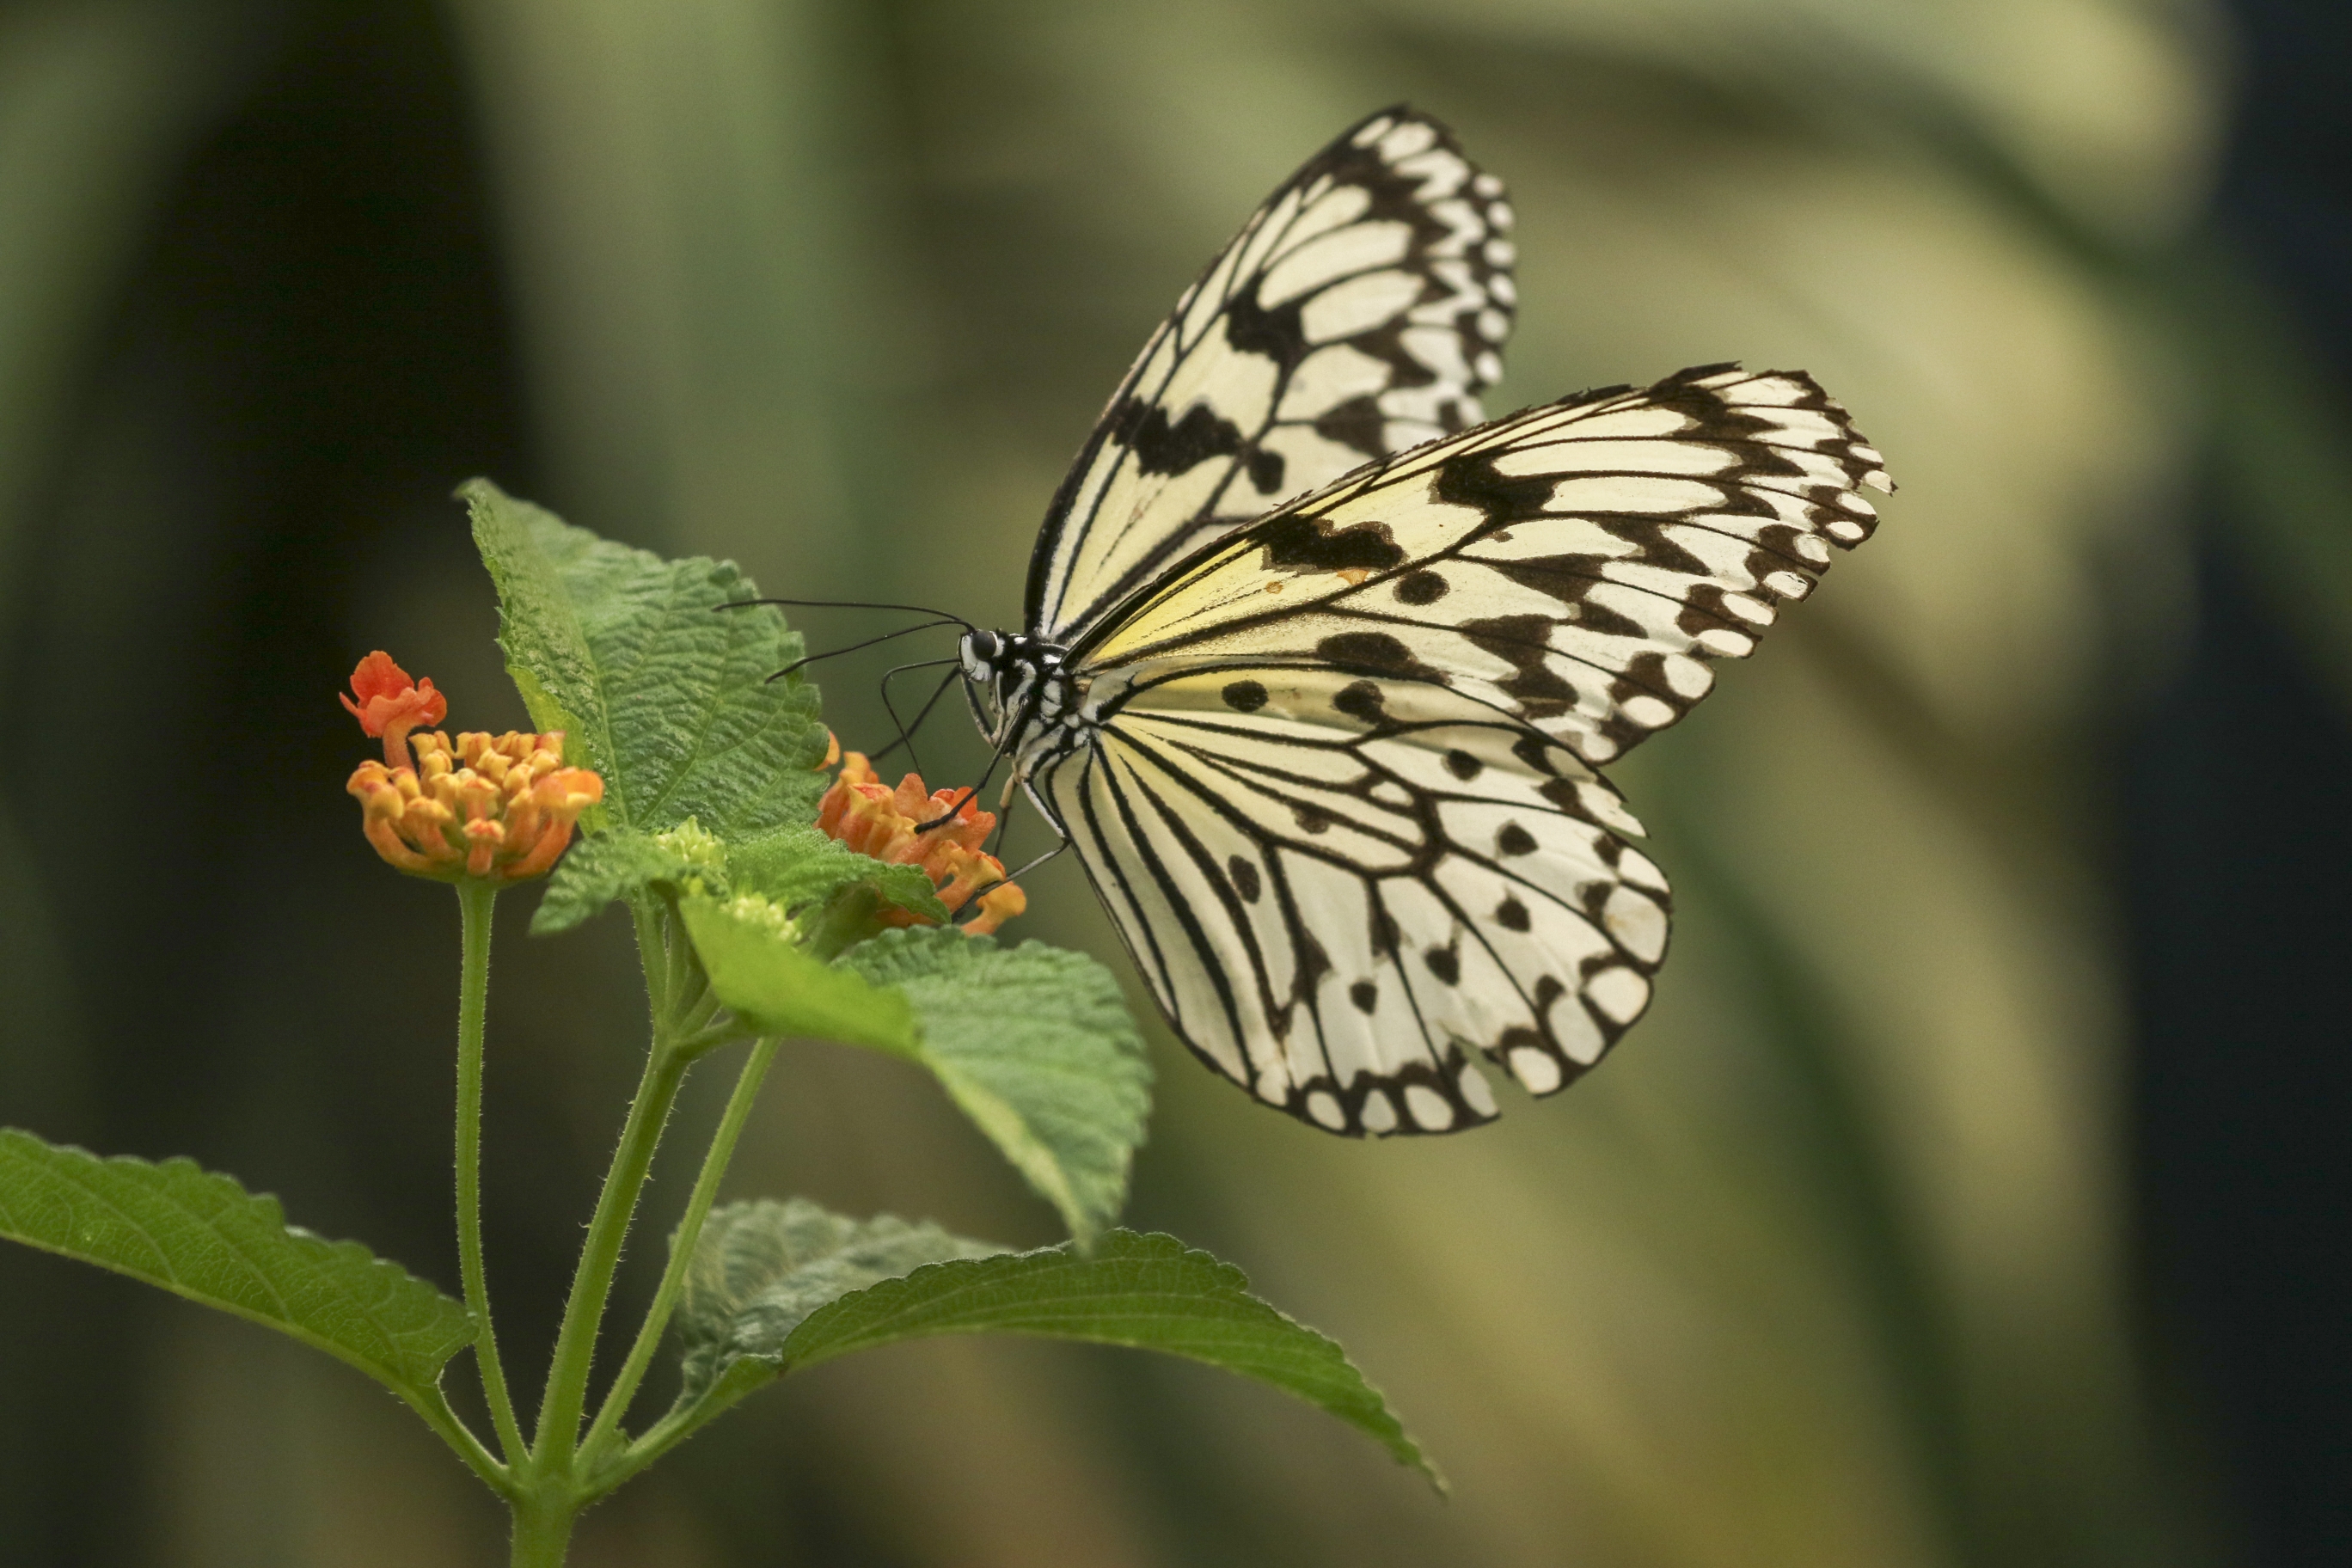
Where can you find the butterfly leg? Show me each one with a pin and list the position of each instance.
(1018, 722)
(973, 903)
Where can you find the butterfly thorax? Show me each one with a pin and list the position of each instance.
(1019, 682)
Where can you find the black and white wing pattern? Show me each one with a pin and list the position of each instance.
(1333, 883)
(1359, 312)
(1340, 794)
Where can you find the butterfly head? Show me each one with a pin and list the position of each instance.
(1010, 677)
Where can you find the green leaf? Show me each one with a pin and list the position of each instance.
(1034, 1044)
(666, 697)
(1147, 1292)
(795, 866)
(761, 1268)
(201, 1235)
(1037, 1046)
(765, 978)
(612, 864)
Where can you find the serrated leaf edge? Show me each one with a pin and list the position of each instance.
(339, 1251)
(750, 1369)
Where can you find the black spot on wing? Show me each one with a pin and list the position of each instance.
(1536, 752)
(1359, 424)
(1378, 652)
(1273, 334)
(1298, 542)
(1265, 470)
(1562, 793)
(1421, 588)
(1360, 700)
(1245, 879)
(1244, 696)
(1469, 478)
(1161, 448)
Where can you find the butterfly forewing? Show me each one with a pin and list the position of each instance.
(1359, 312)
(1574, 565)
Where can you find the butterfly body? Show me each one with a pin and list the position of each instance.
(1318, 669)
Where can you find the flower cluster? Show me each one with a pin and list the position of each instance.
(496, 808)
(874, 819)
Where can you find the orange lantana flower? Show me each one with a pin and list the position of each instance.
(875, 819)
(499, 807)
(495, 806)
(391, 705)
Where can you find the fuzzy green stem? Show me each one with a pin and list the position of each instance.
(673, 1428)
(591, 1283)
(474, 900)
(435, 1408)
(690, 1230)
(543, 1529)
(662, 967)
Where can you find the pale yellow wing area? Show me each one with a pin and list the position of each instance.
(1574, 566)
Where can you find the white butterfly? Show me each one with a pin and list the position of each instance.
(1317, 668)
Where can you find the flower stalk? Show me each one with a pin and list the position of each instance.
(606, 1431)
(474, 900)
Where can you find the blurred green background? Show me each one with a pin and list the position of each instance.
(1973, 1194)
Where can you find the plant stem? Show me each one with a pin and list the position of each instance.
(591, 1283)
(474, 900)
(435, 1408)
(657, 1439)
(543, 1529)
(659, 939)
(690, 1230)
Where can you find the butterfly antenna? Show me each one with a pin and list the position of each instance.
(852, 647)
(907, 731)
(849, 604)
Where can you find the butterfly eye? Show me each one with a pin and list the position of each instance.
(982, 646)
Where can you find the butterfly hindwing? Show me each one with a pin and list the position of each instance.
(1575, 566)
(1359, 312)
(1339, 885)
